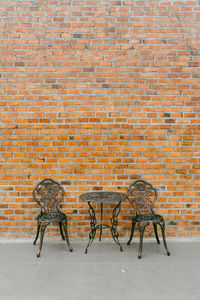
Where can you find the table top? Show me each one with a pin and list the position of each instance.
(103, 197)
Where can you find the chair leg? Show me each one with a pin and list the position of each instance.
(37, 234)
(61, 231)
(132, 231)
(42, 231)
(141, 242)
(66, 235)
(141, 229)
(162, 225)
(156, 232)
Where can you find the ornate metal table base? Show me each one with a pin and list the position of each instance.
(103, 197)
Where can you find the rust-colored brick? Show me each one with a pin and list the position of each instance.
(96, 94)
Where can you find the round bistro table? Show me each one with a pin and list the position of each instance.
(103, 198)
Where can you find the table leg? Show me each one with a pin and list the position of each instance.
(93, 222)
(114, 222)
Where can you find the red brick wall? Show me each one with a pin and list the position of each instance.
(96, 94)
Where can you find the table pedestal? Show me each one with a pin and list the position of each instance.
(94, 226)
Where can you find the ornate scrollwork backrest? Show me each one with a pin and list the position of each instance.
(142, 195)
(48, 194)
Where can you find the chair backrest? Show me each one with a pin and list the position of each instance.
(142, 195)
(48, 194)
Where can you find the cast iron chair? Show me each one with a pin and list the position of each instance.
(48, 194)
(142, 195)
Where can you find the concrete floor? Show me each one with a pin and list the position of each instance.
(104, 273)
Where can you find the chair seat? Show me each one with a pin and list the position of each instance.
(154, 218)
(51, 217)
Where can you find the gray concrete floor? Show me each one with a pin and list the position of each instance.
(104, 273)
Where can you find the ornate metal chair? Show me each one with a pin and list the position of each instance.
(48, 194)
(142, 195)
